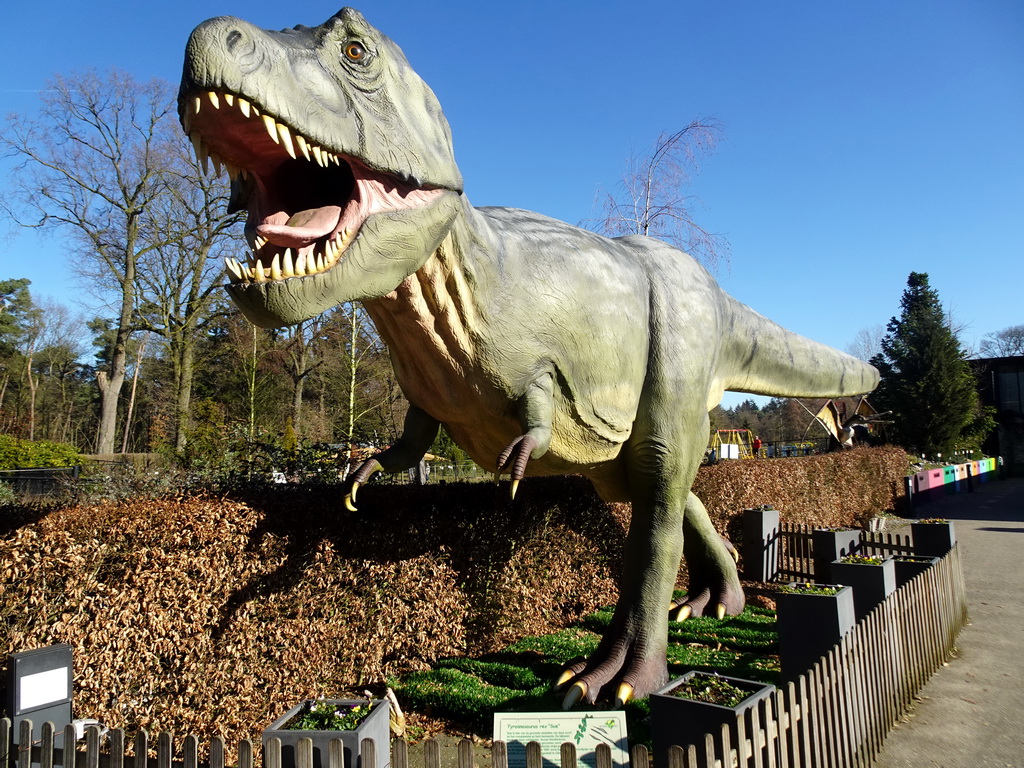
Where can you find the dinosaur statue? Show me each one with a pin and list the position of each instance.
(541, 348)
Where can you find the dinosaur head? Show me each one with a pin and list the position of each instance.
(337, 150)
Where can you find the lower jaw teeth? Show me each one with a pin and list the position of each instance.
(283, 265)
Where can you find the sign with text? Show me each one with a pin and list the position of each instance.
(552, 729)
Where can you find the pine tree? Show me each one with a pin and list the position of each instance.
(925, 377)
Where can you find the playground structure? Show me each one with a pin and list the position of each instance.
(731, 444)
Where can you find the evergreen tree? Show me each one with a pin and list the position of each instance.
(925, 377)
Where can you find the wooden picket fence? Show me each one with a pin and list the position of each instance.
(835, 716)
(796, 553)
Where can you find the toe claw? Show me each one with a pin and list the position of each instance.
(683, 613)
(565, 677)
(720, 611)
(575, 695)
(514, 488)
(623, 695)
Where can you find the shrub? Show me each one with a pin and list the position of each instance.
(17, 454)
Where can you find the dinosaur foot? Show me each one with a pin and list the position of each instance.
(617, 677)
(721, 599)
(714, 588)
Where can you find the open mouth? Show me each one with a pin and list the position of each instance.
(306, 202)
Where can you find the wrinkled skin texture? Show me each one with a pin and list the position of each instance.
(541, 348)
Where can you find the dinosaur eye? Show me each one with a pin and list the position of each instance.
(354, 52)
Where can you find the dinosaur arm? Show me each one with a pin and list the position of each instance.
(536, 411)
(418, 434)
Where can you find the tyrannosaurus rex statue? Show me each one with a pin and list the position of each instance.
(540, 347)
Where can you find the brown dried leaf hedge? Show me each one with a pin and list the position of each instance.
(212, 615)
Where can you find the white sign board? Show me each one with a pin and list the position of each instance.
(729, 451)
(43, 688)
(552, 729)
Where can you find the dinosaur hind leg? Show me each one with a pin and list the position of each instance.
(631, 659)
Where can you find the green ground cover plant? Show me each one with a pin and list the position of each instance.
(321, 715)
(861, 560)
(809, 589)
(711, 689)
(468, 690)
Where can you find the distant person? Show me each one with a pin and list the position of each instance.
(757, 445)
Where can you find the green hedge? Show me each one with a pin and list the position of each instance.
(21, 454)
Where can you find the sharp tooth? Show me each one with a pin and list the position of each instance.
(334, 159)
(200, 150)
(216, 165)
(232, 170)
(244, 106)
(318, 154)
(197, 143)
(271, 125)
(287, 265)
(233, 271)
(286, 139)
(303, 146)
(229, 99)
(259, 241)
(214, 99)
(196, 104)
(320, 263)
(260, 277)
(331, 252)
(300, 264)
(186, 121)
(275, 267)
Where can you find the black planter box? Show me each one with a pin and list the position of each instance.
(909, 566)
(933, 539)
(760, 544)
(871, 583)
(376, 726)
(685, 721)
(828, 545)
(810, 626)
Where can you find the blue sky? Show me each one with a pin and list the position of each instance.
(863, 140)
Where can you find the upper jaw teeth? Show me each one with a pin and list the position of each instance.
(260, 268)
(275, 264)
(280, 133)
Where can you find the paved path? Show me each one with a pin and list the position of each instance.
(971, 712)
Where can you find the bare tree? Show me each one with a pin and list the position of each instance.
(92, 166)
(1008, 342)
(653, 200)
(180, 276)
(867, 343)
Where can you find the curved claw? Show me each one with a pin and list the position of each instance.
(720, 611)
(514, 459)
(564, 678)
(575, 695)
(623, 695)
(362, 475)
(350, 497)
(682, 613)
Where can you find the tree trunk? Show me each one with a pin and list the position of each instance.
(109, 383)
(183, 405)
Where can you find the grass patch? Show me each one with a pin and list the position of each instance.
(469, 691)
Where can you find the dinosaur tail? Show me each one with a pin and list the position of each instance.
(763, 358)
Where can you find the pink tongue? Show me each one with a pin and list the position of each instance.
(303, 227)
